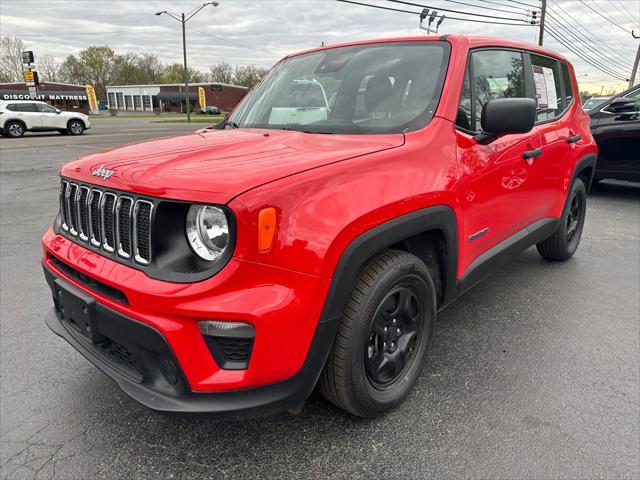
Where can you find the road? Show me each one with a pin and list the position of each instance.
(532, 374)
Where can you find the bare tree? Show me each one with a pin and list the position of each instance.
(248, 75)
(48, 68)
(221, 73)
(11, 49)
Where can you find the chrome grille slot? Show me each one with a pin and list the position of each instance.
(116, 224)
(63, 205)
(72, 211)
(142, 231)
(124, 207)
(94, 218)
(107, 221)
(83, 213)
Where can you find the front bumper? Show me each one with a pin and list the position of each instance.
(142, 363)
(157, 324)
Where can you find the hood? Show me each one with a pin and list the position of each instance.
(214, 166)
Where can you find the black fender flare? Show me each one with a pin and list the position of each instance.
(588, 161)
(367, 244)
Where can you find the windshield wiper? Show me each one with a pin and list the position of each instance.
(306, 131)
(230, 123)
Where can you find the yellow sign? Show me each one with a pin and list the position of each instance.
(202, 98)
(91, 96)
(28, 76)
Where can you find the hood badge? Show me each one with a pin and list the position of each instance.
(103, 173)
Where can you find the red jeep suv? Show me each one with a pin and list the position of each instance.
(311, 237)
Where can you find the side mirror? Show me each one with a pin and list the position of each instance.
(505, 116)
(622, 105)
(58, 111)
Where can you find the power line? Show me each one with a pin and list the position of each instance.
(618, 2)
(606, 18)
(506, 6)
(418, 13)
(135, 29)
(487, 8)
(523, 3)
(560, 37)
(587, 32)
(567, 44)
(586, 56)
(456, 11)
(586, 41)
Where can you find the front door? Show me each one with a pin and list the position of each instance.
(496, 191)
(618, 138)
(49, 117)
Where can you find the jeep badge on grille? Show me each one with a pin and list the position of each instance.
(102, 172)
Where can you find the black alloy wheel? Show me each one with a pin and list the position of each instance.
(396, 327)
(383, 335)
(564, 241)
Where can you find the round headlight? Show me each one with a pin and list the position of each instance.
(207, 231)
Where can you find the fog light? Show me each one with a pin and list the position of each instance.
(230, 343)
(214, 328)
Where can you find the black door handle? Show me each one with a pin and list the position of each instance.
(574, 138)
(532, 153)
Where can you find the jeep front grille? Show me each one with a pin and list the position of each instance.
(110, 221)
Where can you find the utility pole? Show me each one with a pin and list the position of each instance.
(634, 70)
(183, 20)
(543, 13)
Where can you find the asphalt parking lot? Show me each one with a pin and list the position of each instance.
(535, 373)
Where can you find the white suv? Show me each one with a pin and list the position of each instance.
(19, 116)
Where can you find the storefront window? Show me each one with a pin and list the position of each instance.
(146, 101)
(137, 102)
(120, 98)
(127, 101)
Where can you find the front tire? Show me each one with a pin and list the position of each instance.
(75, 127)
(383, 336)
(565, 240)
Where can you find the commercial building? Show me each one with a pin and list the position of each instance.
(171, 97)
(64, 96)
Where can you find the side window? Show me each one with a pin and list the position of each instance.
(568, 86)
(636, 96)
(26, 107)
(45, 108)
(13, 107)
(496, 74)
(463, 119)
(546, 77)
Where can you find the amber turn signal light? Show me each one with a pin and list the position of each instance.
(266, 228)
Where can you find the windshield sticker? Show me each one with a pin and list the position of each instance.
(545, 87)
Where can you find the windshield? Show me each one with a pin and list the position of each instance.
(379, 88)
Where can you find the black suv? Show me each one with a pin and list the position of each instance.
(615, 126)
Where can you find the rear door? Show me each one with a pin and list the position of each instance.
(497, 192)
(554, 96)
(28, 113)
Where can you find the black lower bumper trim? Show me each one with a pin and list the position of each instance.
(156, 392)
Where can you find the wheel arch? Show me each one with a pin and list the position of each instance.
(585, 169)
(437, 220)
(84, 125)
(15, 120)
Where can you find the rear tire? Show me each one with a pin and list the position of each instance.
(75, 127)
(565, 240)
(14, 129)
(382, 337)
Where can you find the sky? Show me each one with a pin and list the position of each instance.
(259, 32)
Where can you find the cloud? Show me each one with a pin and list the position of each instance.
(244, 32)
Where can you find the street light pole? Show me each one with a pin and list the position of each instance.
(185, 72)
(183, 19)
